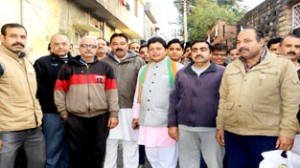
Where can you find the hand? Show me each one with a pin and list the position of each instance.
(220, 137)
(112, 122)
(1, 143)
(64, 116)
(173, 133)
(135, 124)
(284, 143)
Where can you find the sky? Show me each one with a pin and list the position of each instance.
(167, 14)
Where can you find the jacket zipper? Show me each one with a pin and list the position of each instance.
(32, 97)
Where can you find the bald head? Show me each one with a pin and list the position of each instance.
(60, 45)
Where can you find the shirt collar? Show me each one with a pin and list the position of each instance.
(262, 57)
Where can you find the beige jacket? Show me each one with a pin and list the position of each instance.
(19, 108)
(263, 101)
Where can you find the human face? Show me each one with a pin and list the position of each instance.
(60, 45)
(187, 53)
(102, 46)
(15, 39)
(135, 47)
(88, 48)
(200, 53)
(274, 48)
(290, 48)
(234, 54)
(119, 46)
(157, 52)
(175, 52)
(247, 44)
(144, 54)
(219, 57)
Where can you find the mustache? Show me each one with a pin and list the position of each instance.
(199, 56)
(18, 44)
(291, 53)
(119, 49)
(243, 49)
(88, 52)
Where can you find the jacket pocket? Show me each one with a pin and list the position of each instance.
(266, 109)
(266, 117)
(229, 118)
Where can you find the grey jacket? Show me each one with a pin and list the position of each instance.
(126, 73)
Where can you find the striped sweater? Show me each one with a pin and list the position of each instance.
(86, 90)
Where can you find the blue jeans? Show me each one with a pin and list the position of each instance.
(56, 143)
(245, 151)
(33, 143)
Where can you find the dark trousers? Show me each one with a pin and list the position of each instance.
(87, 140)
(245, 151)
(33, 143)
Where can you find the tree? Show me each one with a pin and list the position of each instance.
(206, 12)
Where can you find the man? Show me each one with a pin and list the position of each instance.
(234, 54)
(150, 109)
(143, 53)
(135, 46)
(290, 48)
(219, 54)
(193, 109)
(187, 53)
(126, 65)
(175, 50)
(102, 48)
(47, 68)
(86, 97)
(259, 99)
(273, 45)
(20, 112)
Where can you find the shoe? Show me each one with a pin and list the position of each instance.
(140, 166)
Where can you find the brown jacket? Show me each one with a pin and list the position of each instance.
(19, 108)
(263, 101)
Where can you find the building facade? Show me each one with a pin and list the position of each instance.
(276, 18)
(224, 33)
(75, 18)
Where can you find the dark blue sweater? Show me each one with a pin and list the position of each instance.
(194, 100)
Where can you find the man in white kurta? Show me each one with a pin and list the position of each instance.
(126, 65)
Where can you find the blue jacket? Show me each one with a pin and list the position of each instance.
(194, 100)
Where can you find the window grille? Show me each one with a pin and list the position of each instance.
(296, 16)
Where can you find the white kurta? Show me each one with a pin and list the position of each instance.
(124, 130)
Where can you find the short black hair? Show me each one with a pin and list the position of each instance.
(119, 35)
(233, 48)
(259, 34)
(142, 46)
(201, 41)
(274, 40)
(157, 40)
(220, 47)
(173, 41)
(11, 25)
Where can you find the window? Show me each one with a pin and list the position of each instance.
(296, 16)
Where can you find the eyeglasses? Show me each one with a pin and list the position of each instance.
(88, 45)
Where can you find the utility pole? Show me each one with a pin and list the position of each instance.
(185, 31)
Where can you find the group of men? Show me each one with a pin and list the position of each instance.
(67, 111)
